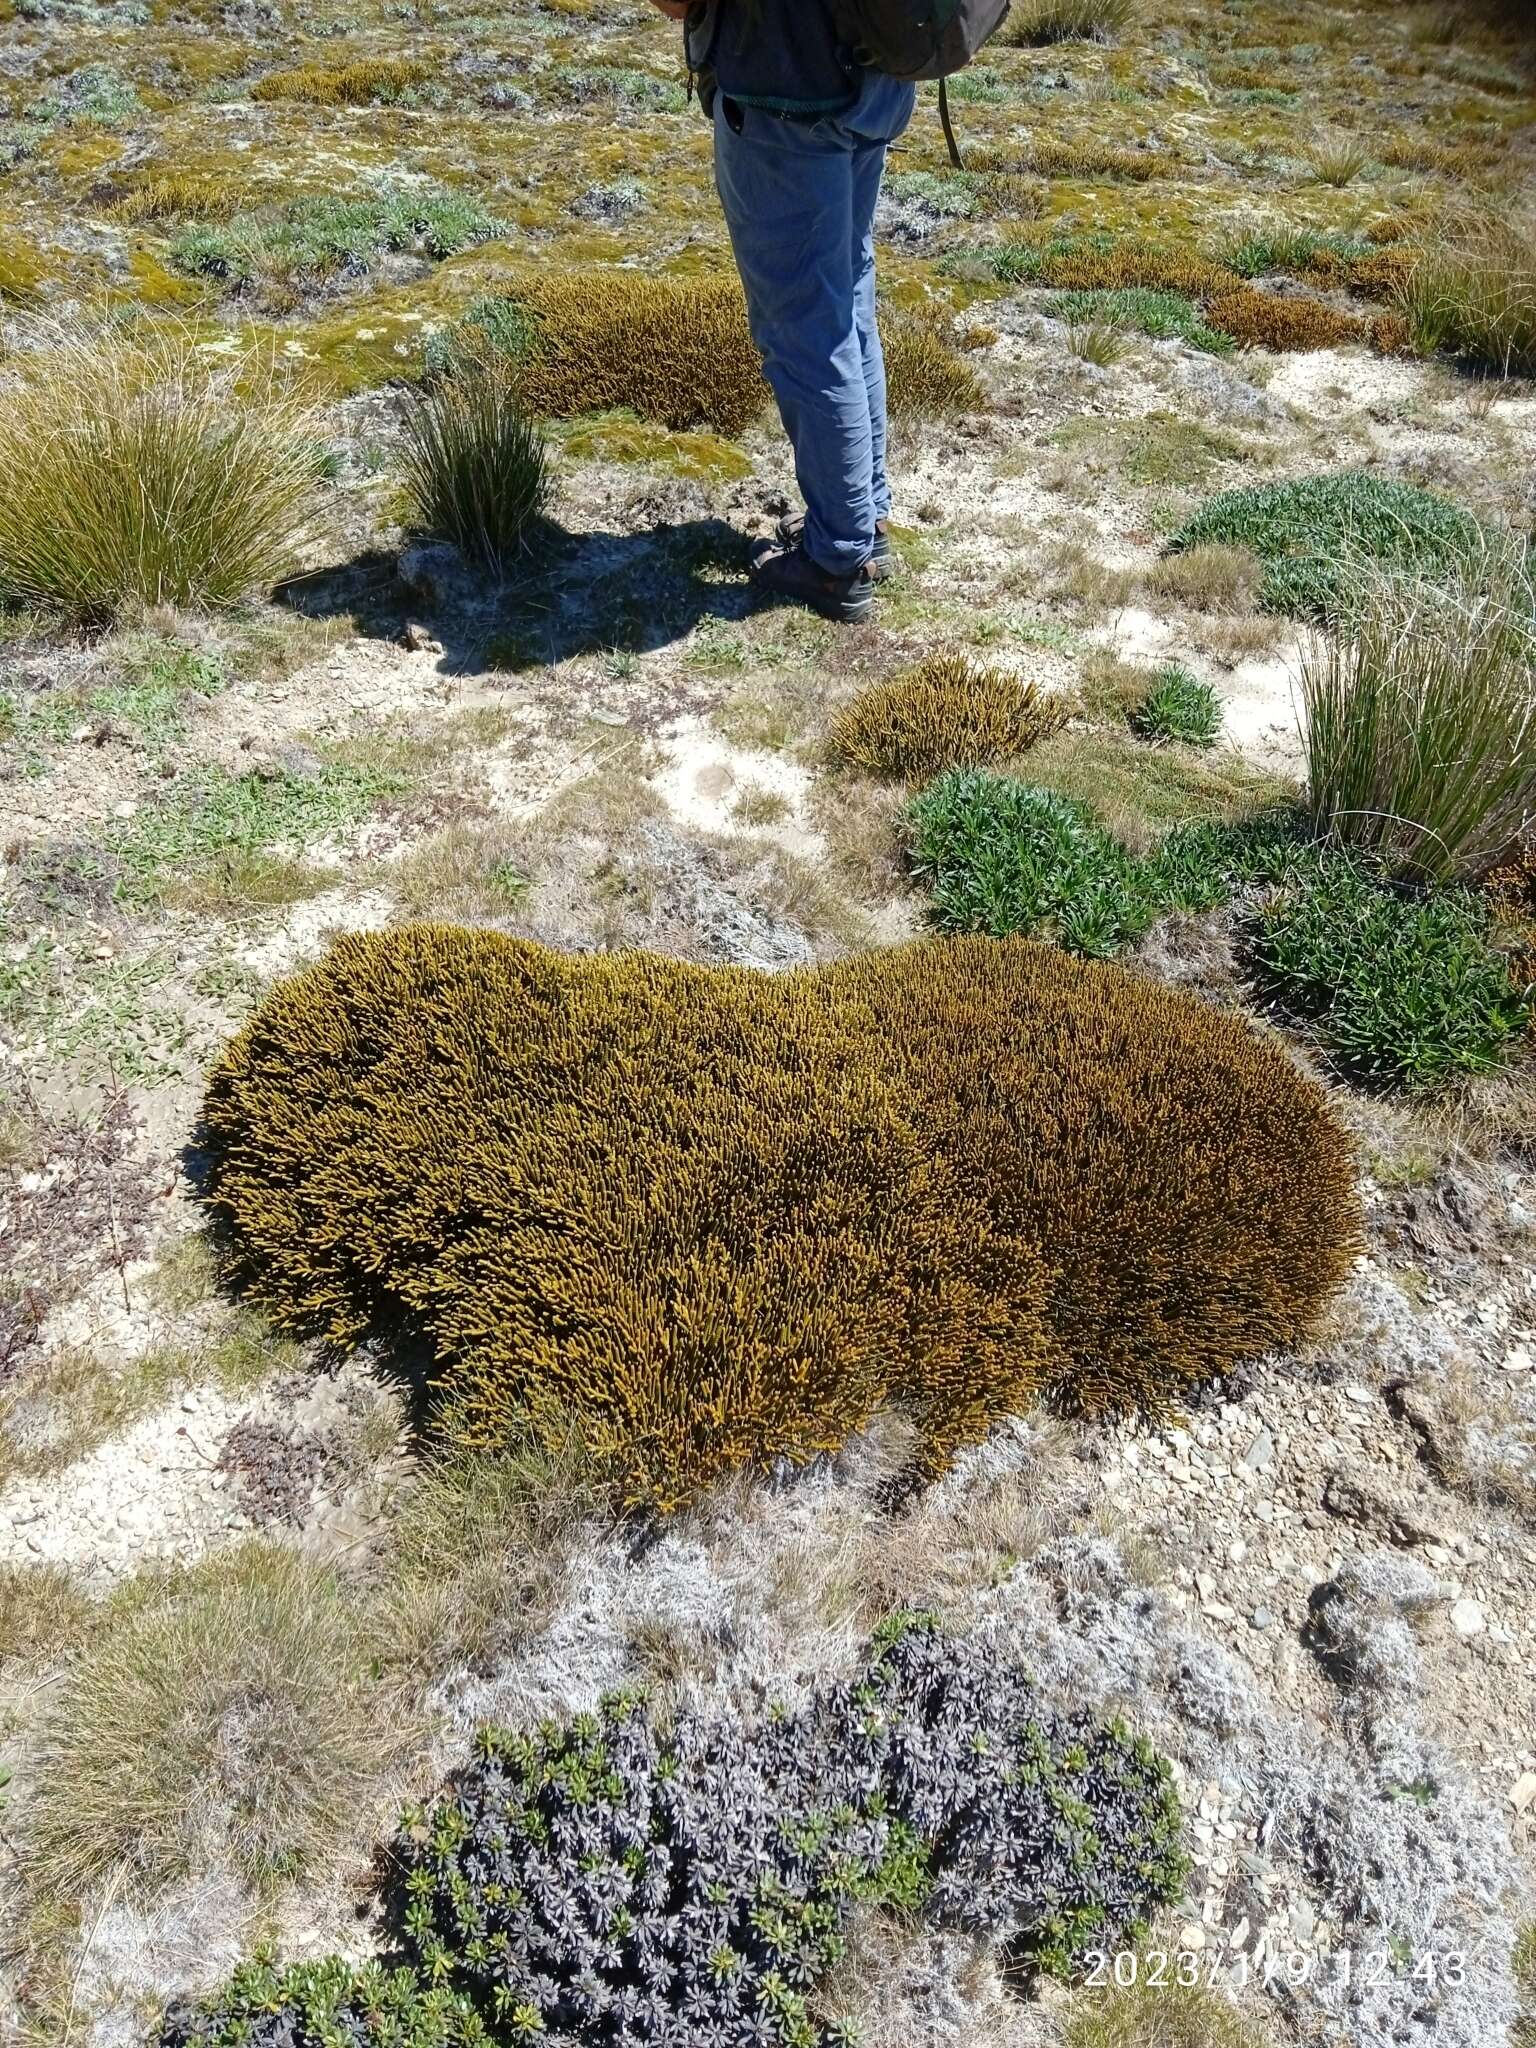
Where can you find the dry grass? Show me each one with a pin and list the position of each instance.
(1483, 1442)
(1209, 578)
(479, 1557)
(140, 473)
(1166, 2015)
(1035, 23)
(1140, 793)
(228, 1720)
(470, 871)
(41, 1611)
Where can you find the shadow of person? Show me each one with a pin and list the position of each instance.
(569, 594)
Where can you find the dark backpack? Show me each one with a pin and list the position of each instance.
(919, 39)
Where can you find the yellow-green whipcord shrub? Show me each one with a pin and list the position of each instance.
(710, 1217)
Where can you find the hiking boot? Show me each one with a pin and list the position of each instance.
(791, 530)
(791, 574)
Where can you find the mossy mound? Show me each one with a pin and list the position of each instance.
(948, 712)
(709, 1218)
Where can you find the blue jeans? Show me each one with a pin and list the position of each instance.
(799, 200)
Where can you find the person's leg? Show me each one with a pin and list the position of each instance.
(787, 192)
(883, 111)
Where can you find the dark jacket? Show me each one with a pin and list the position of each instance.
(780, 54)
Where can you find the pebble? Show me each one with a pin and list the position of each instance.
(1467, 1618)
(1261, 1617)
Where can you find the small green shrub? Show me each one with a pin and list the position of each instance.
(324, 2005)
(477, 470)
(1178, 706)
(709, 1218)
(1316, 535)
(1165, 315)
(1403, 987)
(1419, 717)
(948, 711)
(1000, 857)
(140, 474)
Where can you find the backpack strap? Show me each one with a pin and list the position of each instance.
(949, 133)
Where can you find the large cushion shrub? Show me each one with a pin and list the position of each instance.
(710, 1217)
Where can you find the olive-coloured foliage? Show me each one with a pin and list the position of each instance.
(947, 712)
(714, 1217)
(606, 1885)
(366, 82)
(1316, 535)
(674, 350)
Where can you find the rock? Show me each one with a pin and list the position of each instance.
(1261, 1617)
(437, 576)
(1260, 1452)
(1523, 1791)
(1467, 1618)
(1398, 1517)
(418, 640)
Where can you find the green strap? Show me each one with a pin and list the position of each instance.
(949, 133)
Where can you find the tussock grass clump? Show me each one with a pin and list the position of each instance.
(476, 468)
(139, 474)
(1035, 23)
(713, 1218)
(229, 1719)
(1057, 157)
(1472, 293)
(366, 82)
(948, 712)
(1317, 535)
(1419, 717)
(1335, 159)
(1159, 2015)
